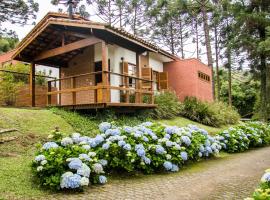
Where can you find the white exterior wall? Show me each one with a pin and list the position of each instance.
(156, 64)
(115, 55)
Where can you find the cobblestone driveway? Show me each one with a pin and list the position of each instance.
(232, 177)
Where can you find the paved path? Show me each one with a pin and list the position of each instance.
(230, 177)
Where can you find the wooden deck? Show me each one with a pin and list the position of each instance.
(129, 106)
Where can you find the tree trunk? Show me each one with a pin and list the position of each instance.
(229, 76)
(110, 16)
(172, 40)
(208, 44)
(135, 21)
(181, 39)
(217, 64)
(197, 38)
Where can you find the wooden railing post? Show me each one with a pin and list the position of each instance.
(49, 96)
(32, 83)
(138, 95)
(73, 85)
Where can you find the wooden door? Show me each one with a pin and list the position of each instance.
(163, 81)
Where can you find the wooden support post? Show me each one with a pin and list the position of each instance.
(138, 96)
(60, 96)
(73, 85)
(105, 75)
(49, 97)
(32, 84)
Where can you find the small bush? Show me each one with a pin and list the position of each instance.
(168, 106)
(243, 137)
(212, 114)
(263, 191)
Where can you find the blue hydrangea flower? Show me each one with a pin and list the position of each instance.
(106, 146)
(168, 136)
(86, 146)
(141, 152)
(99, 139)
(186, 140)
(169, 143)
(167, 165)
(75, 163)
(266, 177)
(102, 179)
(103, 162)
(208, 149)
(84, 170)
(160, 149)
(84, 181)
(128, 129)
(201, 148)
(170, 130)
(146, 160)
(175, 168)
(70, 180)
(76, 137)
(50, 145)
(127, 147)
(121, 143)
(97, 167)
(184, 155)
(139, 146)
(200, 154)
(84, 156)
(145, 139)
(104, 126)
(40, 158)
(177, 146)
(147, 124)
(66, 141)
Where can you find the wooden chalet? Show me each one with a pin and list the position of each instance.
(99, 65)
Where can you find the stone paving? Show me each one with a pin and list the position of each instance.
(230, 177)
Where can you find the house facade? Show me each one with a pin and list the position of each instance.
(99, 65)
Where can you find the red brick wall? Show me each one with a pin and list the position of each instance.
(184, 80)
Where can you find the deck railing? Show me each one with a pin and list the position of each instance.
(83, 89)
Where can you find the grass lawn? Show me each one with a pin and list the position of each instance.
(34, 125)
(16, 156)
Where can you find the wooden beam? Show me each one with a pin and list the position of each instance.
(67, 48)
(76, 34)
(32, 84)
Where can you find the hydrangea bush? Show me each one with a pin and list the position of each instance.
(75, 161)
(263, 191)
(245, 136)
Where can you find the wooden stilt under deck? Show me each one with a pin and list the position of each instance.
(32, 84)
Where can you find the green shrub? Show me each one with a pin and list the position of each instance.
(224, 113)
(168, 106)
(212, 114)
(245, 136)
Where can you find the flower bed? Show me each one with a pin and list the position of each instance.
(243, 137)
(75, 161)
(263, 191)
